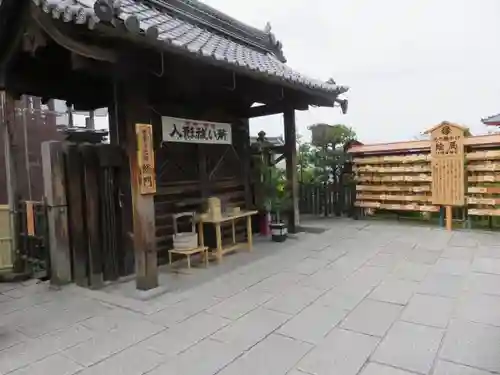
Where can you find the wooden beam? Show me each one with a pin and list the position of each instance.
(132, 108)
(291, 167)
(265, 110)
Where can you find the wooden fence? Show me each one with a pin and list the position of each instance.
(6, 258)
(330, 199)
(397, 177)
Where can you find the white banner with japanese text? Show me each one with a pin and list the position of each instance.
(195, 131)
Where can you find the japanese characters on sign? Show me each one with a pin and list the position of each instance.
(446, 142)
(146, 158)
(193, 131)
(448, 176)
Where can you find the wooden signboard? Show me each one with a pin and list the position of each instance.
(448, 167)
(447, 153)
(146, 158)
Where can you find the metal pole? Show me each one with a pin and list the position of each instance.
(9, 168)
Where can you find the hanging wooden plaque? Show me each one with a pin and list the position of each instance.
(448, 157)
(146, 158)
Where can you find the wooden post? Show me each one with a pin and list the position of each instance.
(291, 167)
(57, 212)
(449, 218)
(7, 104)
(131, 105)
(79, 248)
(246, 156)
(92, 210)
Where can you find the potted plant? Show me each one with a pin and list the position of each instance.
(277, 199)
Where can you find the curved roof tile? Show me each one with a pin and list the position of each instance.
(192, 38)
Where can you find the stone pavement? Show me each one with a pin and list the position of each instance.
(364, 297)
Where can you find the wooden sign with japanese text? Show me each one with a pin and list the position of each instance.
(146, 158)
(194, 131)
(448, 175)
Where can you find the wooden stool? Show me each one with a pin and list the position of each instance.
(203, 250)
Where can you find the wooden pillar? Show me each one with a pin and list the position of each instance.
(246, 159)
(131, 106)
(57, 211)
(291, 167)
(7, 113)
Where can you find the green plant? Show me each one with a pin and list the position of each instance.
(276, 195)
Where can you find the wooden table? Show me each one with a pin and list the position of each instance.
(220, 251)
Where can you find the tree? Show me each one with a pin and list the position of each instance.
(324, 135)
(328, 141)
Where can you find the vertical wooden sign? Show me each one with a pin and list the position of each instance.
(146, 158)
(448, 164)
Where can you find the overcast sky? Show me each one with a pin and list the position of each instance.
(409, 63)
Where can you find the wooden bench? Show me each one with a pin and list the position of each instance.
(203, 250)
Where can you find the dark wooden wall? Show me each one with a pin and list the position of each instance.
(40, 126)
(187, 174)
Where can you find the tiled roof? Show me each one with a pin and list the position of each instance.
(202, 42)
(492, 120)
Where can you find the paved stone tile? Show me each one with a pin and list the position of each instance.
(409, 346)
(442, 285)
(486, 265)
(107, 344)
(40, 320)
(183, 310)
(308, 266)
(325, 279)
(293, 300)
(53, 365)
(378, 369)
(251, 328)
(368, 275)
(132, 361)
(9, 337)
(394, 291)
(463, 239)
(423, 256)
(33, 350)
(385, 259)
(344, 297)
(448, 368)
(205, 358)
(349, 263)
(296, 372)
(313, 323)
(372, 317)
(274, 355)
(329, 254)
(277, 283)
(429, 310)
(120, 319)
(480, 308)
(341, 351)
(463, 253)
(488, 251)
(410, 271)
(483, 283)
(181, 336)
(472, 344)
(398, 246)
(240, 304)
(457, 267)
